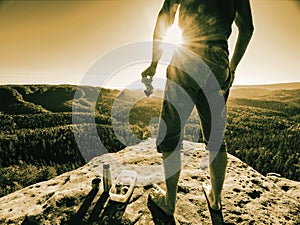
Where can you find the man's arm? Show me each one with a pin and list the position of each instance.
(164, 20)
(243, 20)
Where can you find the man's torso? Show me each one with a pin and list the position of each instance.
(206, 20)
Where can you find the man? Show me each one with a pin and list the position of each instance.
(206, 27)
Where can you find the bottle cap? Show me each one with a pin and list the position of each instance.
(106, 166)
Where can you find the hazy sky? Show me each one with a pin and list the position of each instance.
(58, 41)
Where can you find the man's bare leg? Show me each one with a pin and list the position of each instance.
(217, 175)
(172, 167)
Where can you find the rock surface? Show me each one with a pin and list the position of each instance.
(248, 196)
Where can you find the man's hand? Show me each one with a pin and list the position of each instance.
(150, 71)
(147, 79)
(232, 76)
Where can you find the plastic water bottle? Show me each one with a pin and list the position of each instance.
(106, 177)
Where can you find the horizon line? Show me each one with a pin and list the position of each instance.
(90, 85)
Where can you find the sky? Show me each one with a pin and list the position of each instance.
(56, 42)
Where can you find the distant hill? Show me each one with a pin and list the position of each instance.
(31, 99)
(281, 86)
(11, 101)
(283, 98)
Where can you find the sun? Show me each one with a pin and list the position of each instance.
(174, 35)
(172, 41)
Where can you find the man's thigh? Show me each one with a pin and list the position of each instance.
(179, 101)
(212, 120)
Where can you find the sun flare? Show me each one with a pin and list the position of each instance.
(172, 38)
(174, 35)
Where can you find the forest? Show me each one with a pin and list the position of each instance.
(37, 130)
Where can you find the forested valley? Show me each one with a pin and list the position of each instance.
(40, 123)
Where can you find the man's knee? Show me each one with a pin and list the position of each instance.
(216, 148)
(169, 144)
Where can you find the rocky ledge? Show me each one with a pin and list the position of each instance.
(248, 196)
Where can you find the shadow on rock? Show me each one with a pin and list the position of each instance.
(159, 216)
(104, 211)
(78, 217)
(112, 214)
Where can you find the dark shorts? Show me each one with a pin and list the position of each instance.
(207, 89)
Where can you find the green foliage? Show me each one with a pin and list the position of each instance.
(15, 177)
(269, 142)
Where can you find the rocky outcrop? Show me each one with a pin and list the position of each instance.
(248, 197)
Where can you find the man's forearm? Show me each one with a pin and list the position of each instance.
(157, 50)
(244, 22)
(243, 40)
